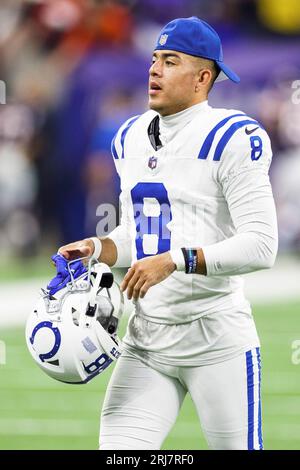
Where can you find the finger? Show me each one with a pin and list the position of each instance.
(72, 253)
(69, 254)
(137, 288)
(132, 284)
(67, 250)
(64, 253)
(126, 279)
(144, 289)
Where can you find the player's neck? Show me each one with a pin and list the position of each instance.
(185, 112)
(171, 124)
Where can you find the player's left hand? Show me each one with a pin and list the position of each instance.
(146, 273)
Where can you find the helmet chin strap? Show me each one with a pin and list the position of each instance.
(91, 308)
(104, 280)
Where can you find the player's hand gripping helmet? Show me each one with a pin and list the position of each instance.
(72, 334)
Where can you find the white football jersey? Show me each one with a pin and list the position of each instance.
(208, 185)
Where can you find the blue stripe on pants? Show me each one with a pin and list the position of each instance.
(250, 395)
(260, 439)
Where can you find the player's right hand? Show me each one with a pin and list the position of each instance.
(77, 249)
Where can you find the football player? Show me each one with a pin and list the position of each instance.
(197, 213)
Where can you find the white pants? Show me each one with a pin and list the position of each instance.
(142, 404)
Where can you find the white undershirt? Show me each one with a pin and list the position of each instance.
(170, 125)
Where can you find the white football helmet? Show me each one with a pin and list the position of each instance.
(72, 335)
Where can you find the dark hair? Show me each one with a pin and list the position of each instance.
(215, 73)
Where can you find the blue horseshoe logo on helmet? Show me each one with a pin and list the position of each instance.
(47, 324)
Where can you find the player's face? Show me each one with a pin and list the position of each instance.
(172, 82)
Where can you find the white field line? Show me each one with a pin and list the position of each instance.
(287, 384)
(31, 401)
(46, 427)
(281, 283)
(284, 431)
(72, 427)
(18, 298)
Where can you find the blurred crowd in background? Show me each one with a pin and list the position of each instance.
(75, 70)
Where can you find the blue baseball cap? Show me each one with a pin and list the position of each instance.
(195, 37)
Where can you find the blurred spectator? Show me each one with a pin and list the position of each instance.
(286, 172)
(18, 185)
(76, 69)
(287, 189)
(102, 71)
(101, 177)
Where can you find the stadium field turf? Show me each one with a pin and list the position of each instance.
(37, 412)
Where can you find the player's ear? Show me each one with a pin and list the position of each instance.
(204, 77)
